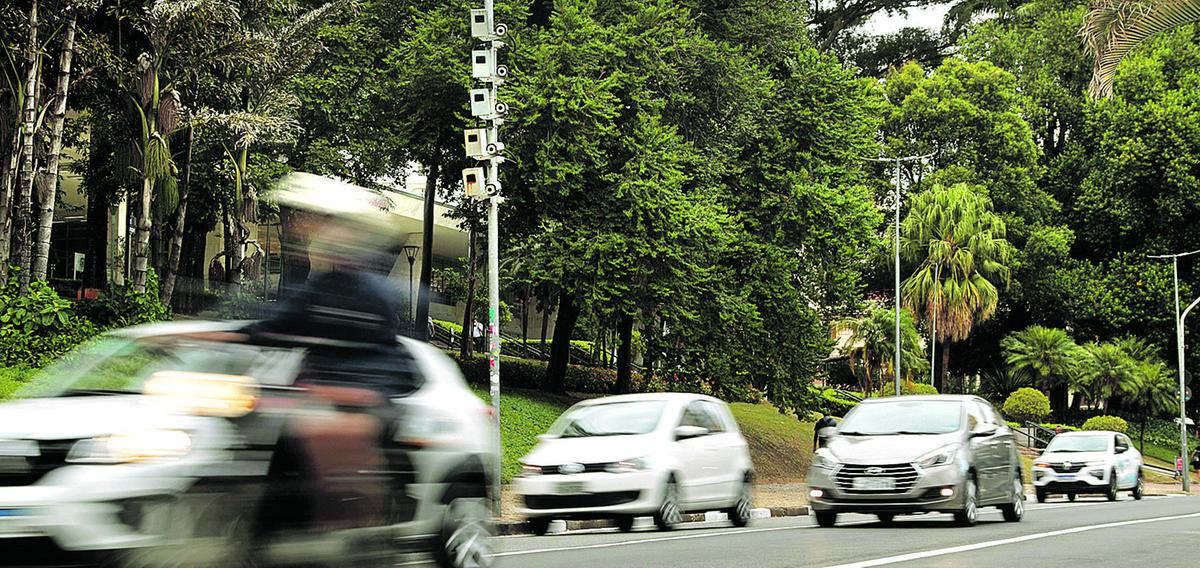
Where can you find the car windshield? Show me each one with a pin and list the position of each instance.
(610, 419)
(115, 365)
(903, 417)
(1097, 443)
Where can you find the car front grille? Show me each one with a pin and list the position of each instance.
(587, 468)
(581, 501)
(1075, 467)
(17, 471)
(905, 476)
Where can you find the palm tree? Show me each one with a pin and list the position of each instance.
(1105, 371)
(1048, 354)
(1158, 394)
(958, 243)
(997, 384)
(1112, 28)
(872, 348)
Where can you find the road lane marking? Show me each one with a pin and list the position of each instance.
(993, 543)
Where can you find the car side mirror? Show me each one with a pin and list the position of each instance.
(827, 432)
(685, 432)
(1122, 449)
(984, 431)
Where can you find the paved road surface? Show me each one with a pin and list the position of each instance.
(1089, 532)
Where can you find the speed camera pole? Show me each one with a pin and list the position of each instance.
(897, 251)
(1179, 336)
(484, 183)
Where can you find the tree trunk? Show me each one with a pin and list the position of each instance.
(58, 115)
(560, 349)
(171, 270)
(7, 183)
(95, 268)
(293, 244)
(1142, 435)
(24, 192)
(625, 354)
(141, 247)
(424, 289)
(545, 321)
(240, 231)
(525, 317)
(468, 333)
(1059, 394)
(944, 375)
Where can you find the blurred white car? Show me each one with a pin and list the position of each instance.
(626, 456)
(1088, 462)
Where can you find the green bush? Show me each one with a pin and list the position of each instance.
(827, 401)
(122, 306)
(39, 326)
(1026, 404)
(1113, 423)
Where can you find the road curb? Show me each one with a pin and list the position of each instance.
(510, 528)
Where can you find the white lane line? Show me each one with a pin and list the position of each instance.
(989, 544)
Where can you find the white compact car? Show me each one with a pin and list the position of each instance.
(1088, 462)
(626, 456)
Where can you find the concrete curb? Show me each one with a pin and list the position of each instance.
(509, 528)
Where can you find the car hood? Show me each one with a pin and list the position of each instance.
(593, 449)
(879, 450)
(76, 417)
(1074, 457)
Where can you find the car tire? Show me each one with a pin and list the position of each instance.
(669, 513)
(466, 535)
(539, 526)
(1139, 490)
(739, 513)
(825, 519)
(886, 518)
(1041, 495)
(1112, 494)
(625, 524)
(969, 514)
(204, 528)
(1071, 497)
(1015, 510)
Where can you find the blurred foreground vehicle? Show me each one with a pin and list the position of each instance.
(916, 454)
(1088, 462)
(621, 457)
(204, 444)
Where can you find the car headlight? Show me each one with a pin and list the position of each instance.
(938, 457)
(824, 459)
(1096, 464)
(1042, 465)
(628, 466)
(530, 470)
(140, 446)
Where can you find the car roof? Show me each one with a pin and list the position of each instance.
(924, 397)
(178, 327)
(674, 397)
(1087, 433)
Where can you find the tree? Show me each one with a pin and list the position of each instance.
(1113, 28)
(1105, 371)
(25, 171)
(872, 348)
(1157, 395)
(1048, 354)
(959, 247)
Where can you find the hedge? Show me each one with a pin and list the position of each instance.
(828, 402)
(1026, 404)
(1113, 423)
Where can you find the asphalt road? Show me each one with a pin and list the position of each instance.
(1164, 531)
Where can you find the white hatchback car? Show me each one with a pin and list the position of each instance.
(626, 456)
(1088, 462)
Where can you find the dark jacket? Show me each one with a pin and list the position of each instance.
(355, 306)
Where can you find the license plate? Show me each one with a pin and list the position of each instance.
(570, 488)
(1066, 478)
(874, 483)
(12, 522)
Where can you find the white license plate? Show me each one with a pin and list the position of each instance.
(874, 483)
(1066, 478)
(570, 488)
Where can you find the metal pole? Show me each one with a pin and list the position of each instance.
(1182, 403)
(897, 367)
(933, 336)
(493, 238)
(412, 302)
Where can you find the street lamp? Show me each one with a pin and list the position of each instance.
(897, 336)
(1179, 317)
(410, 252)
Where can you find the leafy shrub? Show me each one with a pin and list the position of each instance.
(1113, 423)
(38, 327)
(123, 306)
(1026, 404)
(827, 401)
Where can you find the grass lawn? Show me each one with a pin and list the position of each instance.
(523, 416)
(780, 445)
(13, 378)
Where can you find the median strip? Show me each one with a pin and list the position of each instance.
(510, 528)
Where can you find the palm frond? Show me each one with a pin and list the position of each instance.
(1113, 28)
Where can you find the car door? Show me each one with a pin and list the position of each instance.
(1008, 462)
(726, 448)
(1127, 461)
(989, 456)
(695, 457)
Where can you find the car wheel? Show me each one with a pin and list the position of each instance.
(1071, 497)
(739, 514)
(625, 523)
(826, 519)
(1014, 510)
(1139, 490)
(200, 529)
(539, 526)
(466, 538)
(1112, 492)
(669, 513)
(886, 518)
(969, 514)
(1041, 495)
